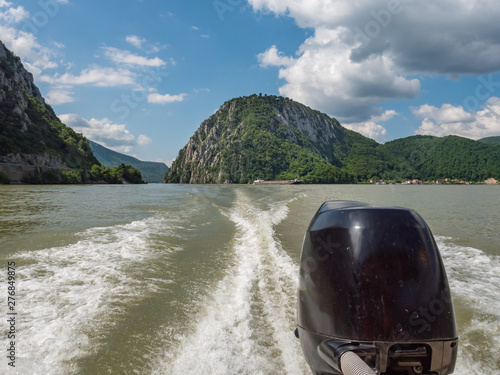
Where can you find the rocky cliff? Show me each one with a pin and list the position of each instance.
(16, 82)
(33, 141)
(267, 137)
(30, 132)
(35, 147)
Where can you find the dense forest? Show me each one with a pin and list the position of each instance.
(431, 158)
(491, 140)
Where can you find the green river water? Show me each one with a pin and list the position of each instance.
(199, 279)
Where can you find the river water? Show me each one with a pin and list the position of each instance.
(198, 279)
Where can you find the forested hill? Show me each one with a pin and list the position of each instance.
(266, 137)
(151, 171)
(35, 147)
(276, 138)
(432, 158)
(490, 140)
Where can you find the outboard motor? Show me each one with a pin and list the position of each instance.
(373, 294)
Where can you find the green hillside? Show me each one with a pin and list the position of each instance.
(264, 137)
(490, 139)
(151, 171)
(430, 158)
(276, 138)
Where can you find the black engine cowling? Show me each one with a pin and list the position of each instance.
(372, 282)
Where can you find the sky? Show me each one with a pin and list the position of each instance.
(140, 76)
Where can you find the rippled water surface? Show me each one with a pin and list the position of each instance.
(178, 279)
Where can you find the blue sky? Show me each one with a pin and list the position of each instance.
(139, 76)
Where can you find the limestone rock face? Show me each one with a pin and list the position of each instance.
(15, 84)
(42, 160)
(30, 132)
(319, 128)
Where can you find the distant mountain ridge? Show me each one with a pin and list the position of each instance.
(151, 171)
(276, 138)
(490, 139)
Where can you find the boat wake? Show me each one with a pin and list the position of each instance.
(474, 278)
(246, 327)
(70, 294)
(239, 321)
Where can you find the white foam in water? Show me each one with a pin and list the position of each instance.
(68, 293)
(247, 327)
(474, 279)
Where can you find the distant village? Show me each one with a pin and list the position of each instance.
(444, 181)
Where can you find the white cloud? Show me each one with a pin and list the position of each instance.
(135, 40)
(144, 140)
(156, 98)
(451, 120)
(372, 128)
(42, 63)
(17, 31)
(12, 15)
(35, 57)
(366, 52)
(309, 13)
(324, 77)
(126, 57)
(168, 163)
(105, 132)
(98, 76)
(23, 43)
(447, 114)
(154, 49)
(59, 96)
(273, 57)
(73, 120)
(20, 38)
(422, 36)
(202, 90)
(142, 43)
